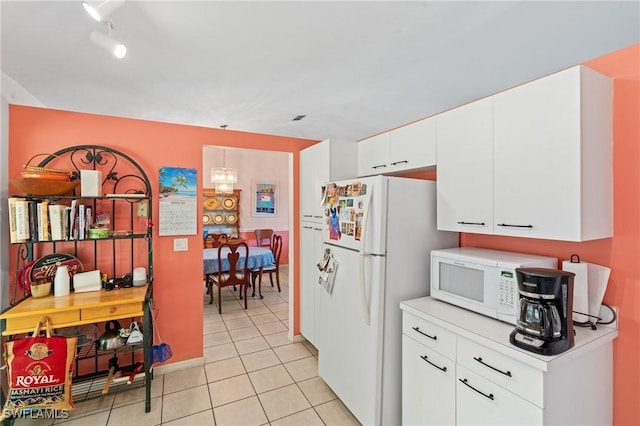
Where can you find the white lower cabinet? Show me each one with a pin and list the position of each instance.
(427, 405)
(482, 402)
(310, 254)
(458, 368)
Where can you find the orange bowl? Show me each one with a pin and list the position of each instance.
(44, 187)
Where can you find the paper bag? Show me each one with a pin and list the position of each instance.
(580, 287)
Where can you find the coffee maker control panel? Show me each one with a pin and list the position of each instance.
(508, 289)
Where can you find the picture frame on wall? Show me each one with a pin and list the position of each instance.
(264, 199)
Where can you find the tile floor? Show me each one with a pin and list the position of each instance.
(253, 375)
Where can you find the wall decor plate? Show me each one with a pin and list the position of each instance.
(206, 219)
(229, 203)
(45, 267)
(211, 204)
(232, 218)
(218, 219)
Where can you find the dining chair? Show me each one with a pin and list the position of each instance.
(214, 240)
(274, 268)
(263, 237)
(236, 275)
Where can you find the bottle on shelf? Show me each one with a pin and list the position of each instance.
(61, 281)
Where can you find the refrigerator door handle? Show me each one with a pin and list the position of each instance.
(363, 288)
(363, 281)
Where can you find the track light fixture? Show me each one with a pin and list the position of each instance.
(109, 44)
(101, 10)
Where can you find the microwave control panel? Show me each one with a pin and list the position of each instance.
(508, 290)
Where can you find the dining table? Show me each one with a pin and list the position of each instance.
(258, 258)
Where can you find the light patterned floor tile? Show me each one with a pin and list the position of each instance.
(215, 327)
(224, 369)
(307, 417)
(283, 315)
(334, 413)
(236, 323)
(216, 339)
(255, 344)
(140, 394)
(201, 418)
(303, 369)
(184, 379)
(246, 412)
(216, 353)
(316, 391)
(259, 360)
(278, 339)
(227, 316)
(270, 378)
(97, 419)
(185, 403)
(278, 307)
(291, 352)
(92, 406)
(271, 328)
(134, 415)
(264, 318)
(244, 333)
(230, 390)
(283, 401)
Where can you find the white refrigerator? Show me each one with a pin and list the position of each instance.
(379, 232)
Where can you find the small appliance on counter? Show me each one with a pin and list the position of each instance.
(544, 324)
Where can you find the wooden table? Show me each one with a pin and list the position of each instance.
(75, 309)
(85, 308)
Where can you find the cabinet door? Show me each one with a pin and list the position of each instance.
(413, 146)
(481, 402)
(465, 168)
(373, 155)
(428, 386)
(310, 254)
(537, 158)
(307, 171)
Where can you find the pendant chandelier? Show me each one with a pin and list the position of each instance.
(223, 178)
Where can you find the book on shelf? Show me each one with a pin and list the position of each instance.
(22, 220)
(55, 221)
(81, 221)
(72, 234)
(32, 208)
(13, 224)
(44, 224)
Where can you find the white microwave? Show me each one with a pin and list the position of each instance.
(482, 280)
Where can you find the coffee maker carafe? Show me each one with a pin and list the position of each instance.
(544, 323)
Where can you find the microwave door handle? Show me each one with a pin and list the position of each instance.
(363, 282)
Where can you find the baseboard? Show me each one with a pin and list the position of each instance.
(296, 339)
(180, 365)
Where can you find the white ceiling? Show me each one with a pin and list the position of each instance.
(353, 68)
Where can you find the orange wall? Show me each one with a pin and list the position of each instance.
(178, 275)
(622, 252)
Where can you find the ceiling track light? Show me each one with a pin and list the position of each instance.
(116, 48)
(101, 10)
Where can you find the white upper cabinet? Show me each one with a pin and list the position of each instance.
(413, 146)
(552, 156)
(407, 148)
(533, 161)
(373, 155)
(326, 161)
(465, 168)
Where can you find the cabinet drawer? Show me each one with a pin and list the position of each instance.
(514, 376)
(111, 312)
(481, 402)
(29, 322)
(429, 334)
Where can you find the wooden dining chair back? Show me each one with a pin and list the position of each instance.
(272, 269)
(235, 274)
(214, 240)
(263, 237)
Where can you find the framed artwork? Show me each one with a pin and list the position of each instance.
(264, 199)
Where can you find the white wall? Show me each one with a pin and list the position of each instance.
(253, 165)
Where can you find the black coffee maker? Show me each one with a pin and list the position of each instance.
(544, 325)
